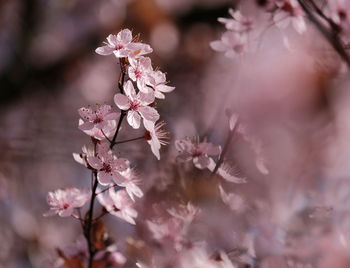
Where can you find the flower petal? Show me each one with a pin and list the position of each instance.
(121, 101)
(149, 113)
(133, 119)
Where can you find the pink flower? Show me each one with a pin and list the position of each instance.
(119, 204)
(97, 123)
(289, 12)
(238, 23)
(122, 46)
(186, 213)
(82, 157)
(197, 151)
(64, 201)
(156, 136)
(130, 184)
(108, 166)
(232, 43)
(157, 81)
(136, 105)
(138, 72)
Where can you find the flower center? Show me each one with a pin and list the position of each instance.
(97, 120)
(107, 168)
(147, 135)
(134, 106)
(196, 153)
(138, 73)
(65, 205)
(117, 47)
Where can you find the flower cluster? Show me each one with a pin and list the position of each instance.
(114, 181)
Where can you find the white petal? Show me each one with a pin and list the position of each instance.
(104, 51)
(130, 90)
(95, 162)
(121, 101)
(218, 46)
(165, 88)
(133, 119)
(104, 178)
(112, 40)
(149, 113)
(124, 36)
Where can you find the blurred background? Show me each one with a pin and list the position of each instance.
(293, 99)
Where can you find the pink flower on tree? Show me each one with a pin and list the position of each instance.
(157, 81)
(121, 46)
(98, 123)
(198, 152)
(136, 105)
(232, 43)
(64, 201)
(289, 12)
(156, 136)
(108, 166)
(130, 184)
(119, 204)
(139, 70)
(238, 23)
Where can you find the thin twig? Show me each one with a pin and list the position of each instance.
(226, 147)
(332, 37)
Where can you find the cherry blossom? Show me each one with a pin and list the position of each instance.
(289, 12)
(233, 44)
(157, 81)
(156, 136)
(121, 46)
(99, 123)
(238, 23)
(186, 213)
(82, 157)
(139, 70)
(64, 201)
(119, 204)
(108, 166)
(136, 105)
(131, 184)
(198, 152)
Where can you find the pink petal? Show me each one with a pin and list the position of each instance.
(201, 162)
(104, 178)
(149, 113)
(121, 101)
(111, 116)
(218, 46)
(112, 40)
(130, 90)
(133, 119)
(66, 212)
(146, 98)
(124, 36)
(164, 88)
(86, 126)
(95, 162)
(104, 51)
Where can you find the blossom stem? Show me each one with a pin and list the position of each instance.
(134, 139)
(89, 223)
(123, 113)
(226, 147)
